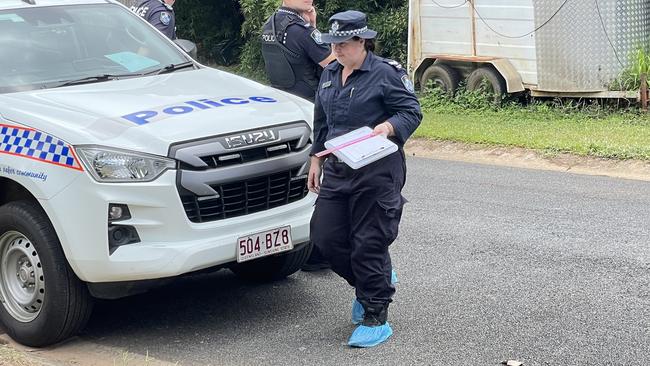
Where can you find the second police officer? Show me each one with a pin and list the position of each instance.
(158, 13)
(357, 214)
(294, 56)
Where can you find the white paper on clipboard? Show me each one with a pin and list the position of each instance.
(363, 152)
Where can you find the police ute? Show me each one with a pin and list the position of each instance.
(125, 163)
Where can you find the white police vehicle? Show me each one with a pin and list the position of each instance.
(123, 163)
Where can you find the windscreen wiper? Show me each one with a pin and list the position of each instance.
(94, 79)
(172, 68)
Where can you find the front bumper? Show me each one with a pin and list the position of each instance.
(170, 244)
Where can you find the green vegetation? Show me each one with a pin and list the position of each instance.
(214, 25)
(631, 77)
(388, 17)
(551, 127)
(228, 31)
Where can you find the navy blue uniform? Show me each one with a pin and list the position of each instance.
(159, 14)
(357, 213)
(379, 91)
(304, 52)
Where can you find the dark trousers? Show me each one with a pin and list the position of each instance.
(355, 220)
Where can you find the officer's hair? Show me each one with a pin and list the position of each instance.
(368, 44)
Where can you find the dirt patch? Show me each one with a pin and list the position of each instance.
(529, 159)
(12, 357)
(72, 352)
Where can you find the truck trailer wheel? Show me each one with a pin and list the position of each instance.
(43, 301)
(441, 76)
(275, 267)
(489, 82)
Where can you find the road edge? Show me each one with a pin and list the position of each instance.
(526, 158)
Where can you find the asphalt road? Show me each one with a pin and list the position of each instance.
(494, 263)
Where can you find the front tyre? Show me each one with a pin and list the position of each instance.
(43, 301)
(275, 267)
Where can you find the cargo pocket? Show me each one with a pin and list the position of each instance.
(390, 211)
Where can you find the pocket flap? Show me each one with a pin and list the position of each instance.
(392, 205)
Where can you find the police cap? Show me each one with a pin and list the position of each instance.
(346, 25)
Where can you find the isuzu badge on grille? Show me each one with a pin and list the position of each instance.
(251, 138)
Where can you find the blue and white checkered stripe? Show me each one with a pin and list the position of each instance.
(36, 145)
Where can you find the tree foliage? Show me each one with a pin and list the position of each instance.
(214, 25)
(228, 31)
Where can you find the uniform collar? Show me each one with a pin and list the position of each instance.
(287, 10)
(169, 7)
(367, 63)
(365, 66)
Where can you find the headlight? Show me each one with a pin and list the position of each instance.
(108, 165)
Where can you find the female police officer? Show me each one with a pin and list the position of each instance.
(357, 213)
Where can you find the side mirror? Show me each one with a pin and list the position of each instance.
(188, 46)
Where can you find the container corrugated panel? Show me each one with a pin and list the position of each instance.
(573, 50)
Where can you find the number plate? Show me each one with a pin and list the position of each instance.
(265, 243)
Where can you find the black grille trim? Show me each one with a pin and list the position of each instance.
(246, 197)
(251, 154)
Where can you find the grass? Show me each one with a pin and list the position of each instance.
(639, 64)
(589, 130)
(551, 127)
(130, 359)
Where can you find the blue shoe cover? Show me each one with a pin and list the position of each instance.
(393, 277)
(370, 336)
(357, 312)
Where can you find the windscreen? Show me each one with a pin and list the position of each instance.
(45, 47)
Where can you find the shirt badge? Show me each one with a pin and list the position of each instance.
(408, 84)
(165, 18)
(327, 84)
(316, 36)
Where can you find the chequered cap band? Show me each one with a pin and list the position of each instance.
(353, 32)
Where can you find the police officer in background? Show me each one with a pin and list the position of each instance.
(294, 54)
(357, 215)
(159, 13)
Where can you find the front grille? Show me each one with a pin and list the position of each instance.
(246, 197)
(250, 155)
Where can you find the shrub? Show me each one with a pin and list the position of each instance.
(215, 27)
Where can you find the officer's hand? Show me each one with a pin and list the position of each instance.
(385, 129)
(310, 16)
(315, 171)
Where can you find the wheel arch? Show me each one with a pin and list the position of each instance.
(465, 64)
(12, 191)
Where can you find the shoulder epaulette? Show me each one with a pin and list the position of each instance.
(393, 63)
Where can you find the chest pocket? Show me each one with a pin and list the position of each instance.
(341, 107)
(364, 106)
